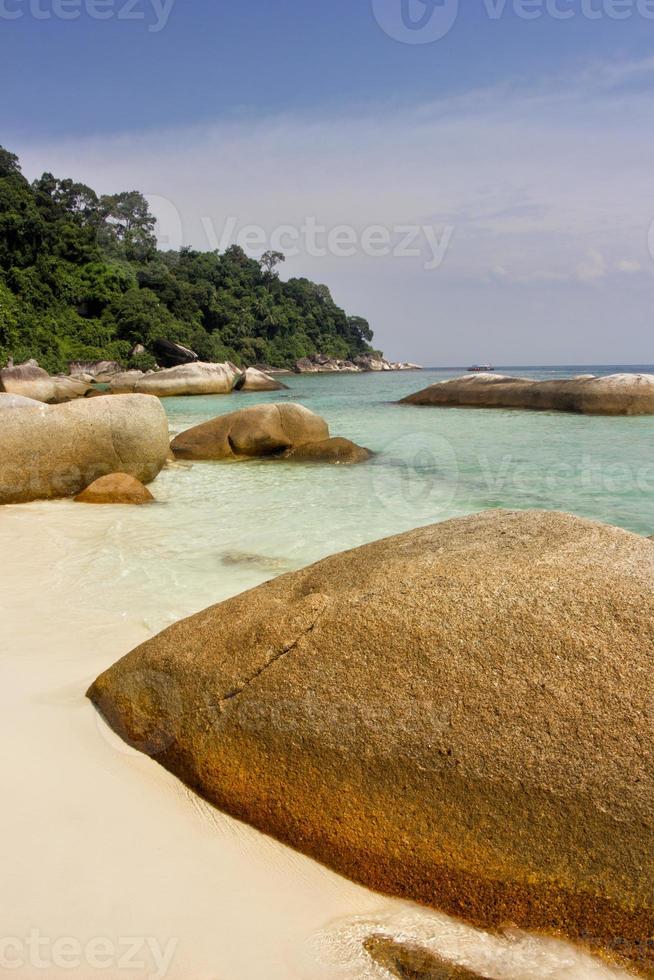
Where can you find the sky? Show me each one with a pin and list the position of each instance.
(475, 178)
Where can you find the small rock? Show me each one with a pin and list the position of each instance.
(410, 962)
(334, 450)
(116, 488)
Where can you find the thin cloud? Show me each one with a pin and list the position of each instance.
(540, 193)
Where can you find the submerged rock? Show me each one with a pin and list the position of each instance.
(460, 715)
(334, 450)
(411, 962)
(115, 488)
(199, 378)
(261, 430)
(264, 562)
(617, 394)
(31, 381)
(58, 450)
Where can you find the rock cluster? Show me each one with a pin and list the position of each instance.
(276, 430)
(460, 715)
(321, 364)
(199, 378)
(49, 451)
(31, 381)
(617, 394)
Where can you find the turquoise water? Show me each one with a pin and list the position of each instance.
(219, 528)
(432, 463)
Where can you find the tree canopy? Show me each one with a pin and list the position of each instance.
(81, 278)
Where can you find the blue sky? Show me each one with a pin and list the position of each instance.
(520, 137)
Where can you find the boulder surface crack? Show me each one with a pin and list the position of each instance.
(286, 649)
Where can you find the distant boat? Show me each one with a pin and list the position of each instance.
(481, 368)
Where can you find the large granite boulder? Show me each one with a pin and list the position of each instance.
(57, 450)
(115, 488)
(261, 430)
(254, 380)
(199, 378)
(617, 394)
(460, 715)
(31, 381)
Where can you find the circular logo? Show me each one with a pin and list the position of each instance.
(416, 476)
(416, 21)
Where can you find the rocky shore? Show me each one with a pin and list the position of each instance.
(321, 364)
(105, 449)
(459, 715)
(616, 394)
(195, 377)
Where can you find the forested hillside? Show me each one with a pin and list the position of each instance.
(81, 278)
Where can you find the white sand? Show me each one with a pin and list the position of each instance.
(98, 842)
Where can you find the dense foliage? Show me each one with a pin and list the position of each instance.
(81, 278)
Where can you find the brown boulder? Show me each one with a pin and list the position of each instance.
(254, 380)
(199, 378)
(617, 394)
(334, 450)
(9, 402)
(261, 430)
(411, 962)
(49, 451)
(115, 488)
(460, 715)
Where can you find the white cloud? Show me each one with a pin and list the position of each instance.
(547, 189)
(628, 266)
(592, 268)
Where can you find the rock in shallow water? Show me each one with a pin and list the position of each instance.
(410, 962)
(52, 451)
(460, 715)
(617, 394)
(334, 450)
(115, 488)
(288, 431)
